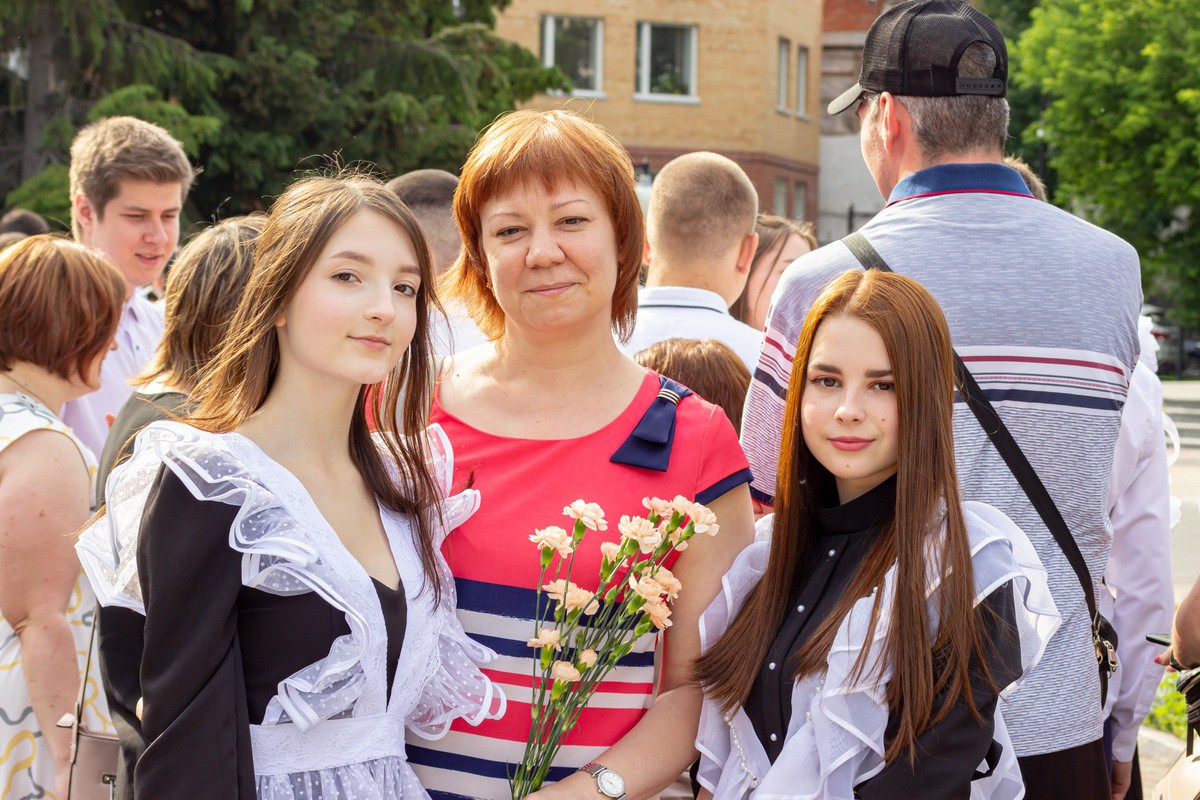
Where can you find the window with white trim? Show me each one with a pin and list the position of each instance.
(666, 62)
(799, 201)
(576, 46)
(785, 53)
(802, 81)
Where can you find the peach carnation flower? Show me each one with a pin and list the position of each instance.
(682, 505)
(642, 530)
(547, 637)
(555, 538)
(581, 599)
(704, 520)
(647, 588)
(611, 551)
(659, 613)
(587, 657)
(557, 589)
(675, 537)
(656, 505)
(562, 671)
(670, 584)
(590, 514)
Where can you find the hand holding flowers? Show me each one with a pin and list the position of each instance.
(582, 635)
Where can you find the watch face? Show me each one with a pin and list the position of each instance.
(610, 783)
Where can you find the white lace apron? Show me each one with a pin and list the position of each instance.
(835, 738)
(331, 731)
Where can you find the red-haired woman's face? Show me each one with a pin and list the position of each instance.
(849, 413)
(551, 258)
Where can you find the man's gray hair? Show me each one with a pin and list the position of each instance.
(944, 126)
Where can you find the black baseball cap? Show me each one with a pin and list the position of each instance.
(913, 49)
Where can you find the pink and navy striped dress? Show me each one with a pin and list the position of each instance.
(524, 484)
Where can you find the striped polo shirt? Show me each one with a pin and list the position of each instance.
(1043, 308)
(523, 485)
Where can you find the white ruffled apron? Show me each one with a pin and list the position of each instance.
(331, 731)
(835, 738)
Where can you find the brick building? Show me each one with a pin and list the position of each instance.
(738, 77)
(848, 196)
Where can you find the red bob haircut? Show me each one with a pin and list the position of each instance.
(60, 304)
(552, 147)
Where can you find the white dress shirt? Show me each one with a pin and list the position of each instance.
(455, 332)
(138, 335)
(1140, 596)
(684, 312)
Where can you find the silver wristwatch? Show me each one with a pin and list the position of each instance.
(609, 782)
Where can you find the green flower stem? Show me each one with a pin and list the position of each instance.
(558, 706)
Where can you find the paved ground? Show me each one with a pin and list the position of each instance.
(1182, 400)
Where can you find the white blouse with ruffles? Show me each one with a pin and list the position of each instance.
(838, 740)
(331, 723)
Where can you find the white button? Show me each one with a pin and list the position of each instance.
(832, 553)
(771, 665)
(800, 608)
(774, 738)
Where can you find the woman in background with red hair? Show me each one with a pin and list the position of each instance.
(60, 304)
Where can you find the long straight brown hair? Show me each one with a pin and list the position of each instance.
(237, 381)
(914, 331)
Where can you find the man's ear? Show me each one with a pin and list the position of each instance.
(646, 253)
(893, 120)
(85, 213)
(745, 258)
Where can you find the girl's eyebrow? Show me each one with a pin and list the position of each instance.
(871, 373)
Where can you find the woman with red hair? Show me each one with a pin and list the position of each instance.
(60, 304)
(550, 411)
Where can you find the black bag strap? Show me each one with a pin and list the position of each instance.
(1013, 456)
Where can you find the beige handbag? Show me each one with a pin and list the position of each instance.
(94, 756)
(1183, 781)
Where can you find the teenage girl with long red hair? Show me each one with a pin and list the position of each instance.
(865, 650)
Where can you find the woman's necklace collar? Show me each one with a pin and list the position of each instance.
(8, 376)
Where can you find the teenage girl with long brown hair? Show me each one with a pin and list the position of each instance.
(864, 651)
(298, 614)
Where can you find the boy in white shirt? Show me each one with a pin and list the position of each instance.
(129, 179)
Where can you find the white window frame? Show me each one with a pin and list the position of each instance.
(802, 82)
(780, 198)
(800, 201)
(597, 44)
(785, 73)
(642, 89)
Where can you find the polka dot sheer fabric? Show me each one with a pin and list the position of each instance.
(331, 731)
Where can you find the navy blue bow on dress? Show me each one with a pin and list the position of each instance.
(649, 446)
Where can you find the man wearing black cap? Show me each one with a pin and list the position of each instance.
(1043, 310)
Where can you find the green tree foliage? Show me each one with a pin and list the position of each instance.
(262, 88)
(1123, 122)
(1025, 99)
(48, 191)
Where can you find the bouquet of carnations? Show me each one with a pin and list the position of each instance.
(583, 634)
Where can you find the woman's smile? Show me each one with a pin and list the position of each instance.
(850, 443)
